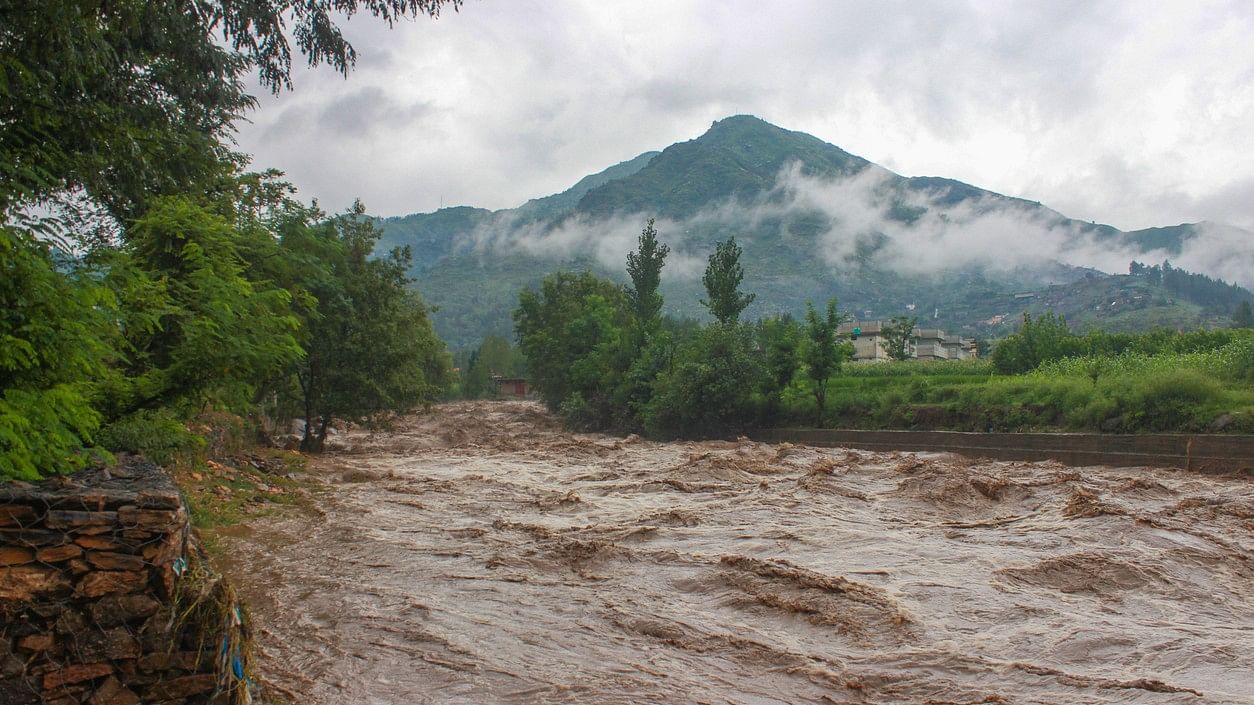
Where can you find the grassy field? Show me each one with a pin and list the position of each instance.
(1178, 392)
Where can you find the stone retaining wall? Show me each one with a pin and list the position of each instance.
(103, 598)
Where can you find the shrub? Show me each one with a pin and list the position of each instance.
(157, 434)
(709, 392)
(1178, 400)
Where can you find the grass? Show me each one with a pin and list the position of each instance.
(222, 494)
(1129, 393)
(225, 476)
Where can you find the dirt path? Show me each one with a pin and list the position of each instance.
(498, 559)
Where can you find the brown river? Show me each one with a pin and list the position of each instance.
(480, 554)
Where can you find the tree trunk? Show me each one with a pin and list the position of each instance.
(307, 440)
(322, 432)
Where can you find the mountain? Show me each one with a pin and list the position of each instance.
(814, 221)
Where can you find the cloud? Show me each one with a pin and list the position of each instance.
(1124, 112)
(1219, 251)
(605, 240)
(870, 215)
(363, 112)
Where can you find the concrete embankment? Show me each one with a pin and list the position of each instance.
(1211, 453)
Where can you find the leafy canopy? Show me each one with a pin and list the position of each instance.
(722, 278)
(369, 349)
(896, 334)
(644, 266)
(54, 342)
(572, 332)
(823, 354)
(128, 100)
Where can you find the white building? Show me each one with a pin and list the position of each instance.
(925, 343)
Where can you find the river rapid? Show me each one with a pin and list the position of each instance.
(480, 554)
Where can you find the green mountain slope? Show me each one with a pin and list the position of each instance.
(767, 186)
(558, 204)
(738, 156)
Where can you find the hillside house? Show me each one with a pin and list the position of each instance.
(925, 343)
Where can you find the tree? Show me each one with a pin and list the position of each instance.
(54, 344)
(780, 339)
(207, 333)
(1243, 317)
(1039, 339)
(722, 279)
(644, 266)
(823, 355)
(709, 390)
(369, 349)
(493, 357)
(571, 332)
(119, 114)
(896, 336)
(124, 101)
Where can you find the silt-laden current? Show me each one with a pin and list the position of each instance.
(480, 554)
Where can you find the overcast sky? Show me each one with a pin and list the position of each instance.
(1135, 113)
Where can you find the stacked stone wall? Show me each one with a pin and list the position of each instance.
(105, 600)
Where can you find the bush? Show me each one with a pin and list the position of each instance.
(709, 392)
(156, 434)
(1179, 400)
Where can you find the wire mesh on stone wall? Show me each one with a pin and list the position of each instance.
(105, 598)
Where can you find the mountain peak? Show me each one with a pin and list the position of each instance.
(749, 129)
(739, 156)
(741, 121)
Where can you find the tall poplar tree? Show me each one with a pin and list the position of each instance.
(644, 266)
(823, 354)
(722, 278)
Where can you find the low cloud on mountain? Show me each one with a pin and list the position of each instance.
(991, 232)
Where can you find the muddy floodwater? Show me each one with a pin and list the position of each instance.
(480, 554)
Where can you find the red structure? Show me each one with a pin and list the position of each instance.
(510, 386)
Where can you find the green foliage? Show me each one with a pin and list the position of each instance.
(158, 434)
(1044, 338)
(709, 390)
(721, 380)
(1130, 392)
(780, 338)
(117, 118)
(1180, 399)
(644, 266)
(208, 334)
(495, 356)
(573, 320)
(722, 278)
(976, 369)
(896, 334)
(1232, 361)
(823, 354)
(370, 350)
(1243, 317)
(635, 390)
(54, 342)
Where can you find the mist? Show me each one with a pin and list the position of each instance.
(863, 217)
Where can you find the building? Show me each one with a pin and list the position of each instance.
(510, 386)
(925, 343)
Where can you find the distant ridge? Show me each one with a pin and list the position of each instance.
(472, 262)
